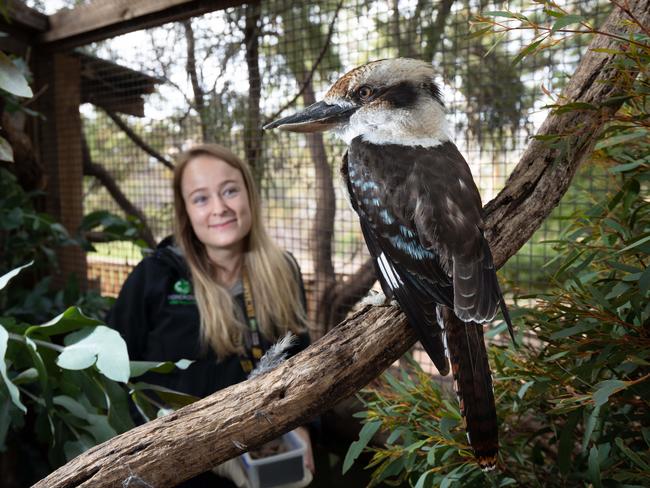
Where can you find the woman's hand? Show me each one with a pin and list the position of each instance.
(309, 455)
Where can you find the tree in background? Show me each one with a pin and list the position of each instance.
(303, 46)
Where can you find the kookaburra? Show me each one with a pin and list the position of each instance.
(421, 217)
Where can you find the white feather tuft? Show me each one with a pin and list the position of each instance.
(274, 356)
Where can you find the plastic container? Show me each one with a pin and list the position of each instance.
(279, 469)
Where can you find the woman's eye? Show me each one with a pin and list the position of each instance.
(199, 199)
(231, 191)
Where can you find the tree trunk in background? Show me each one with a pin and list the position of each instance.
(322, 233)
(253, 132)
(197, 88)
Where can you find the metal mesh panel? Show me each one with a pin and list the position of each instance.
(494, 106)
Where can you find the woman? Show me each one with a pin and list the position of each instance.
(223, 293)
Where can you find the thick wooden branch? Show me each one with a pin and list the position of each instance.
(171, 449)
(185, 443)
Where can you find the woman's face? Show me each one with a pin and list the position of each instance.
(217, 204)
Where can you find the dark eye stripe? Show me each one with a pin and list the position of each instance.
(401, 95)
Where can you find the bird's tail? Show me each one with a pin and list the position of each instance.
(473, 384)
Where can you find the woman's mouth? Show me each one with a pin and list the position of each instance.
(222, 225)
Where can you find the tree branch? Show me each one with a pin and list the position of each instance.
(98, 171)
(190, 67)
(173, 448)
(137, 140)
(347, 293)
(308, 78)
(195, 438)
(545, 170)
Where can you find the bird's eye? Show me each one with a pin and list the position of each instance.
(365, 92)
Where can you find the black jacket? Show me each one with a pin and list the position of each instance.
(157, 316)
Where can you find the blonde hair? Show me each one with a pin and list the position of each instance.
(274, 283)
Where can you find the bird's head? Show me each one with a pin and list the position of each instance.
(391, 101)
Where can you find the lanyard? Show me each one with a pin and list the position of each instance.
(255, 353)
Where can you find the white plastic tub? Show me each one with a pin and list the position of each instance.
(279, 469)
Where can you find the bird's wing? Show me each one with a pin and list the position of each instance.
(405, 268)
(433, 192)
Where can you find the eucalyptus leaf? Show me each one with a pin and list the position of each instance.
(524, 388)
(566, 442)
(29, 375)
(423, 480)
(633, 456)
(590, 424)
(11, 388)
(6, 151)
(565, 21)
(72, 406)
(174, 399)
(99, 427)
(635, 244)
(11, 79)
(594, 467)
(119, 415)
(4, 279)
(100, 345)
(72, 319)
(644, 281)
(138, 368)
(356, 448)
(605, 389)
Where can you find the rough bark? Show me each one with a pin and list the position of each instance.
(185, 443)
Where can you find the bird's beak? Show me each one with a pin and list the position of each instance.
(318, 117)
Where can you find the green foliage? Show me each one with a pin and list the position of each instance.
(27, 235)
(112, 228)
(426, 443)
(63, 385)
(14, 85)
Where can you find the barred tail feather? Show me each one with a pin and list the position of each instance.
(473, 383)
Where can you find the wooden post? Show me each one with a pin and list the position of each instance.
(60, 150)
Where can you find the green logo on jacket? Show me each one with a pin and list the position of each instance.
(183, 287)
(182, 294)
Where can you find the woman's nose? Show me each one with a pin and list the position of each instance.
(219, 207)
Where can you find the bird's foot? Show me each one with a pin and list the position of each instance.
(377, 299)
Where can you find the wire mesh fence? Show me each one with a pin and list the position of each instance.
(218, 77)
